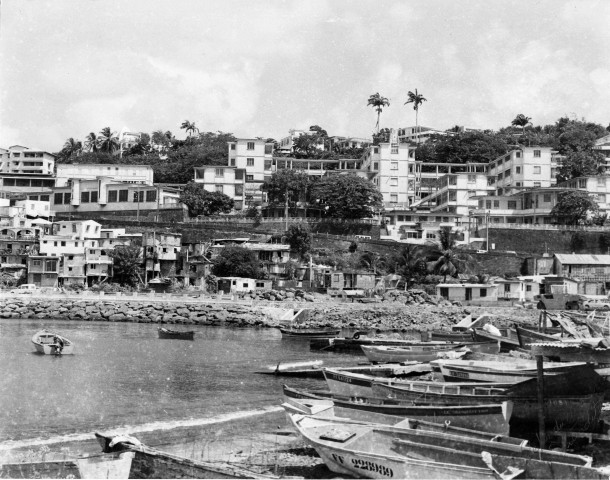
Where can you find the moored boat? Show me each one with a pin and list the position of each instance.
(309, 333)
(527, 336)
(422, 352)
(50, 343)
(490, 371)
(166, 333)
(314, 369)
(507, 338)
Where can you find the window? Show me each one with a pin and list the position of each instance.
(232, 146)
(112, 195)
(536, 153)
(394, 148)
(250, 146)
(582, 183)
(219, 172)
(546, 198)
(123, 195)
(58, 198)
(601, 197)
(249, 178)
(151, 195)
(483, 292)
(268, 149)
(219, 188)
(93, 266)
(517, 154)
(496, 203)
(452, 196)
(394, 181)
(517, 169)
(537, 184)
(268, 164)
(512, 205)
(507, 173)
(430, 235)
(536, 169)
(528, 288)
(394, 166)
(37, 263)
(70, 257)
(375, 165)
(239, 190)
(84, 197)
(393, 198)
(375, 149)
(94, 197)
(232, 162)
(249, 162)
(487, 203)
(138, 197)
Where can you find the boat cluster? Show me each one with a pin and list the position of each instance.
(471, 403)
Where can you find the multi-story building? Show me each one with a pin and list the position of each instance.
(20, 159)
(43, 271)
(161, 254)
(141, 174)
(418, 134)
(286, 143)
(524, 167)
(228, 180)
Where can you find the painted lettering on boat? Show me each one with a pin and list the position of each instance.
(453, 373)
(341, 378)
(372, 467)
(338, 458)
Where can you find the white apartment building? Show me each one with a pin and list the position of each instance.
(228, 180)
(140, 174)
(458, 193)
(256, 158)
(418, 134)
(286, 143)
(22, 160)
(525, 167)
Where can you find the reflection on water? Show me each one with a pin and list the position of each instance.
(123, 374)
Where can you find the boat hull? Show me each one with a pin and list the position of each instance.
(176, 335)
(308, 334)
(45, 343)
(422, 353)
(506, 342)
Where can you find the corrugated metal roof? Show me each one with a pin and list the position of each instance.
(577, 259)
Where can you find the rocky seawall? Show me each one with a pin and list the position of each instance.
(386, 316)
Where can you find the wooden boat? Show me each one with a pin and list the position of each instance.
(176, 334)
(314, 369)
(341, 382)
(573, 402)
(440, 336)
(527, 336)
(152, 463)
(594, 350)
(508, 340)
(308, 333)
(50, 343)
(353, 344)
(493, 417)
(490, 371)
(448, 444)
(422, 352)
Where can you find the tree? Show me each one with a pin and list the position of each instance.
(346, 196)
(373, 261)
(521, 121)
(189, 127)
(410, 263)
(201, 202)
(447, 260)
(299, 239)
(286, 186)
(378, 102)
(237, 261)
(108, 141)
(469, 147)
(127, 264)
(72, 147)
(574, 206)
(416, 99)
(91, 142)
(580, 164)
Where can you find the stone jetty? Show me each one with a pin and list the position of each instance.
(389, 315)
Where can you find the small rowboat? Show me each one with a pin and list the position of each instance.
(422, 352)
(50, 343)
(308, 333)
(176, 334)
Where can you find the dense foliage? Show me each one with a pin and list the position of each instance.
(346, 196)
(236, 261)
(574, 207)
(299, 239)
(127, 264)
(201, 202)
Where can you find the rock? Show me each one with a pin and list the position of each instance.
(117, 317)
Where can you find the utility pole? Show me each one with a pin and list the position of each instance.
(286, 209)
(487, 222)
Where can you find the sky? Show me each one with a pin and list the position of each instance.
(259, 68)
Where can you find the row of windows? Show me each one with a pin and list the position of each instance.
(27, 182)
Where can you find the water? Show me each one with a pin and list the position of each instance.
(123, 375)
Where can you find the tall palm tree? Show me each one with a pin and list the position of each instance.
(410, 263)
(72, 147)
(373, 261)
(108, 140)
(91, 142)
(378, 102)
(447, 260)
(521, 121)
(416, 99)
(189, 127)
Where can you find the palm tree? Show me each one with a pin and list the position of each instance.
(91, 142)
(447, 260)
(410, 262)
(72, 147)
(416, 99)
(521, 121)
(373, 261)
(108, 140)
(378, 102)
(189, 127)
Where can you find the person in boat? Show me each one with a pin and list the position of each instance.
(60, 345)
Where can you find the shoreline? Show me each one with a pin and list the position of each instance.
(378, 317)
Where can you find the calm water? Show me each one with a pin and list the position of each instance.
(122, 375)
